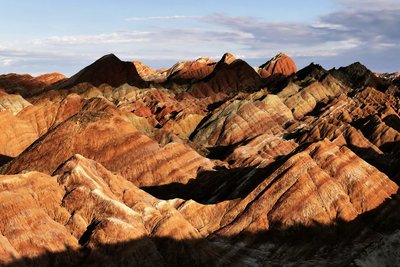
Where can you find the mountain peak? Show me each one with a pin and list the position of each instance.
(183, 72)
(279, 64)
(359, 76)
(107, 69)
(228, 58)
(312, 70)
(110, 56)
(204, 60)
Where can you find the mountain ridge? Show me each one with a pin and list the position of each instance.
(206, 163)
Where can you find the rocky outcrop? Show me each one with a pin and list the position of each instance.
(33, 219)
(357, 76)
(12, 103)
(280, 64)
(15, 135)
(310, 88)
(234, 122)
(229, 76)
(26, 85)
(46, 113)
(310, 188)
(22, 129)
(99, 132)
(190, 71)
(83, 205)
(86, 206)
(148, 74)
(260, 151)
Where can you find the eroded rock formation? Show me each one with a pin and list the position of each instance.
(203, 164)
(109, 70)
(280, 64)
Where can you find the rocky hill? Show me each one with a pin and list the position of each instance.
(203, 164)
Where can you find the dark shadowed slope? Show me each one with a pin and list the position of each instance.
(110, 70)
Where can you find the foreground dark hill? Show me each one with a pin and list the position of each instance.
(204, 164)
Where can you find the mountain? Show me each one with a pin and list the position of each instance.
(99, 131)
(108, 69)
(184, 72)
(26, 85)
(280, 64)
(148, 74)
(230, 75)
(357, 75)
(204, 164)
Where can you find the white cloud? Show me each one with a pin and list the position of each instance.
(370, 5)
(328, 26)
(354, 30)
(162, 18)
(5, 62)
(104, 38)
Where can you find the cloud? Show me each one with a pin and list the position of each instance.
(370, 5)
(104, 38)
(319, 39)
(358, 31)
(370, 26)
(162, 18)
(263, 30)
(368, 31)
(5, 62)
(328, 26)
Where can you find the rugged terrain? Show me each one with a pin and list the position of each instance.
(204, 164)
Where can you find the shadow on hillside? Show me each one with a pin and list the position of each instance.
(207, 185)
(213, 186)
(392, 121)
(5, 159)
(333, 245)
(388, 163)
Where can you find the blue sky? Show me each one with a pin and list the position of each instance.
(45, 36)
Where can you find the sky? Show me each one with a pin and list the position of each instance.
(64, 36)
